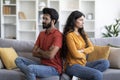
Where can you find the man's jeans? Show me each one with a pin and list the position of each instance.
(92, 70)
(33, 69)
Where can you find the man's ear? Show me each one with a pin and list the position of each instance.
(53, 21)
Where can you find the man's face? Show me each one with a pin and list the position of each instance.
(46, 21)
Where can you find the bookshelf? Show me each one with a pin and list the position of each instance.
(26, 28)
(88, 8)
(22, 19)
(8, 19)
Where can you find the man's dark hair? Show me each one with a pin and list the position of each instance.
(52, 12)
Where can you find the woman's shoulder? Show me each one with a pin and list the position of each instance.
(70, 33)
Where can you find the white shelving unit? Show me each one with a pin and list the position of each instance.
(24, 21)
(88, 8)
(66, 7)
(85, 6)
(8, 19)
(26, 28)
(39, 14)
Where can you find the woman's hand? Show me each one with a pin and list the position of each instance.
(81, 51)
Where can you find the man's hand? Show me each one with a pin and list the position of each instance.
(36, 52)
(51, 47)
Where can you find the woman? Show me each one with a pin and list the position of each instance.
(77, 45)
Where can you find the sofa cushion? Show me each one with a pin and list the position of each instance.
(14, 74)
(8, 56)
(1, 64)
(18, 45)
(111, 45)
(114, 57)
(111, 74)
(65, 77)
(100, 52)
(50, 78)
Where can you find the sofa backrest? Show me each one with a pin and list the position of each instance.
(18, 45)
(23, 48)
(106, 41)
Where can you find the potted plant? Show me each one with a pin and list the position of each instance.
(112, 30)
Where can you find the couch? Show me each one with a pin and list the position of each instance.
(24, 48)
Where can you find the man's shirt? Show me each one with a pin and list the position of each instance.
(45, 41)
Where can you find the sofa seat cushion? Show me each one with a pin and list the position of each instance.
(111, 74)
(14, 74)
(50, 78)
(65, 77)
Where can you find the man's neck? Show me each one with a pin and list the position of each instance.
(49, 29)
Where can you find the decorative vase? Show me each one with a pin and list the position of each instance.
(89, 16)
(42, 5)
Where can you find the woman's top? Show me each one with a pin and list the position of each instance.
(75, 43)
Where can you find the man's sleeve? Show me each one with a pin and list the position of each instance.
(57, 39)
(38, 40)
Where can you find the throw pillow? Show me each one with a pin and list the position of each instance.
(114, 57)
(100, 52)
(8, 56)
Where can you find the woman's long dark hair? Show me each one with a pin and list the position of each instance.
(69, 27)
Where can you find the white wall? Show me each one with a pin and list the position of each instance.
(106, 13)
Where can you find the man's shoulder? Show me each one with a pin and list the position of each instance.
(42, 31)
(57, 32)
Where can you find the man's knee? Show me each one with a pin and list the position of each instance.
(18, 60)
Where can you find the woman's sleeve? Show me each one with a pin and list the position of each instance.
(90, 47)
(72, 47)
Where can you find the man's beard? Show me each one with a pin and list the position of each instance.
(46, 26)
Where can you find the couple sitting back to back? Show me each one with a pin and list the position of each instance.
(73, 45)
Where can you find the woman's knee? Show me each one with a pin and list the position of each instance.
(106, 63)
(97, 75)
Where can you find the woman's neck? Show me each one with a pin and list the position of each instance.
(76, 31)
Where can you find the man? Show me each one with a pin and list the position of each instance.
(47, 48)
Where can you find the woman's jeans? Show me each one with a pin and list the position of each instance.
(92, 70)
(33, 69)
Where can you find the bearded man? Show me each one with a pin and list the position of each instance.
(47, 47)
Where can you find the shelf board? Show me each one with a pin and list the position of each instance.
(87, 0)
(92, 20)
(9, 24)
(90, 31)
(9, 4)
(9, 15)
(27, 19)
(27, 31)
(54, 0)
(68, 10)
(10, 37)
(27, 0)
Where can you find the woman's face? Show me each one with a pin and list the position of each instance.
(79, 22)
